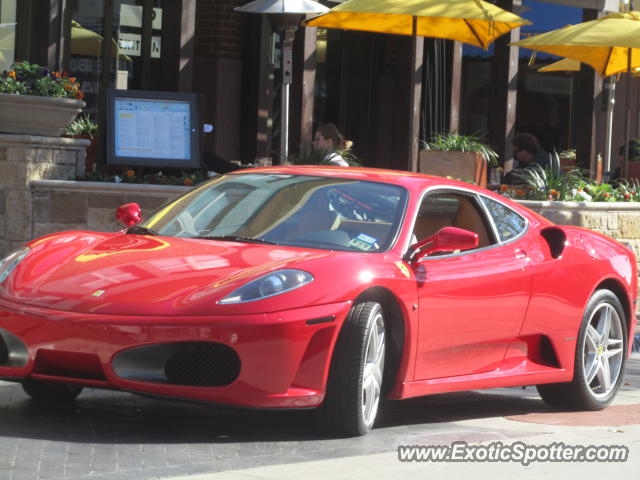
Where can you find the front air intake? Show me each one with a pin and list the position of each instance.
(203, 364)
(4, 352)
(197, 364)
(13, 351)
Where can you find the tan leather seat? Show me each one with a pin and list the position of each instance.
(468, 218)
(427, 225)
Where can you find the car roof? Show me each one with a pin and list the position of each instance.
(397, 177)
(414, 182)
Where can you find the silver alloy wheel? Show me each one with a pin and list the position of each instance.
(603, 350)
(373, 368)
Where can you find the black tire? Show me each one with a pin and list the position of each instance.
(349, 408)
(579, 394)
(52, 392)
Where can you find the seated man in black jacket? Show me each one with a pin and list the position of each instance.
(528, 152)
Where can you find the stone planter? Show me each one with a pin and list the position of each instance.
(467, 166)
(33, 115)
(91, 159)
(619, 220)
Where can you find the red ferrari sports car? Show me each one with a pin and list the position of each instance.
(299, 287)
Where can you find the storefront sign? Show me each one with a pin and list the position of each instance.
(544, 83)
(130, 44)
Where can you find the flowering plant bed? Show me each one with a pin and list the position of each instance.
(26, 78)
(35, 101)
(128, 175)
(572, 186)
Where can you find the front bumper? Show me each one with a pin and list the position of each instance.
(283, 356)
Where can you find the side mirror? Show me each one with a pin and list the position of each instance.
(129, 214)
(446, 239)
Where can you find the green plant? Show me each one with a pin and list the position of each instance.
(552, 183)
(26, 78)
(634, 150)
(569, 154)
(452, 141)
(82, 125)
(574, 186)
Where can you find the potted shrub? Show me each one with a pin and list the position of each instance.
(85, 127)
(460, 156)
(35, 101)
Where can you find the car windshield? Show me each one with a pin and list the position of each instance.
(293, 210)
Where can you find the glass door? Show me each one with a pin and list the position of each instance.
(132, 59)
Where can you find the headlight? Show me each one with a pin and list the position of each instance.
(273, 283)
(11, 261)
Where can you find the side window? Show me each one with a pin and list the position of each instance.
(508, 223)
(451, 210)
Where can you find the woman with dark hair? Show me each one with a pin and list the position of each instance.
(328, 138)
(528, 152)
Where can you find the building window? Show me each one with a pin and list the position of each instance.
(131, 63)
(7, 33)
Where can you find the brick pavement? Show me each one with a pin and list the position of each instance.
(120, 436)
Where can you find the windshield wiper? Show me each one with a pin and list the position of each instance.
(138, 230)
(237, 238)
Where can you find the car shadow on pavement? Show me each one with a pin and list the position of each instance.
(459, 406)
(115, 417)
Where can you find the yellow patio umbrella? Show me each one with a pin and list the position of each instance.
(474, 22)
(605, 43)
(88, 43)
(570, 65)
(564, 65)
(610, 44)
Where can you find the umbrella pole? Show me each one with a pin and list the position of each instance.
(413, 134)
(627, 117)
(611, 94)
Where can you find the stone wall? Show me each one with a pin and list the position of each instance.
(36, 207)
(67, 205)
(619, 220)
(23, 159)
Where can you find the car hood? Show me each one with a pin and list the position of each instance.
(145, 275)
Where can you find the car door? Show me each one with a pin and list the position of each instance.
(471, 303)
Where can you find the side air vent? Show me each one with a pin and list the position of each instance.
(556, 239)
(548, 352)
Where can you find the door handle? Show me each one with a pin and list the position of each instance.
(520, 254)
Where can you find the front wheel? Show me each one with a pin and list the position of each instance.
(355, 379)
(600, 358)
(53, 392)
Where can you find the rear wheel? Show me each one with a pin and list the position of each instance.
(600, 358)
(54, 392)
(355, 379)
